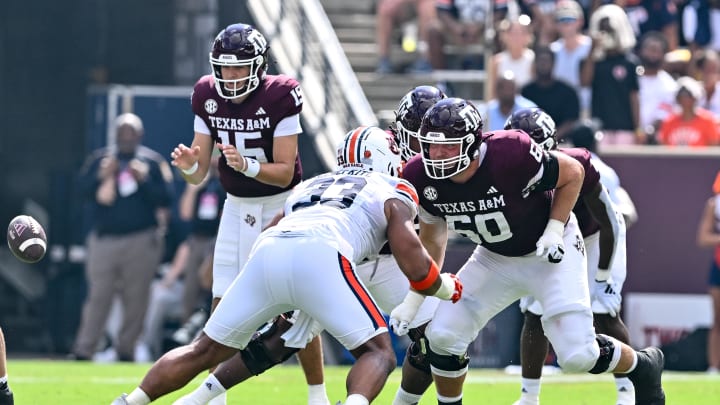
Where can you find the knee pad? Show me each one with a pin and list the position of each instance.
(609, 355)
(451, 364)
(582, 358)
(417, 351)
(266, 349)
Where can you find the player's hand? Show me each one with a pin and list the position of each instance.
(183, 157)
(551, 243)
(450, 289)
(403, 314)
(233, 157)
(605, 298)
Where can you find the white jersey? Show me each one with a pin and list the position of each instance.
(346, 208)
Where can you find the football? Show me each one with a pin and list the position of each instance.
(26, 239)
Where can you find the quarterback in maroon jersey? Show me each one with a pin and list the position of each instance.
(514, 199)
(253, 118)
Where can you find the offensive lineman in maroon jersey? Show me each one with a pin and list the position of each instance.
(514, 200)
(254, 119)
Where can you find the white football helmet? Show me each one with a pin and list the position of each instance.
(372, 149)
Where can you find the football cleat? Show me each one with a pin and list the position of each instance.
(6, 397)
(647, 377)
(121, 400)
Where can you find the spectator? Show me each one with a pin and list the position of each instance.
(516, 56)
(458, 22)
(657, 88)
(701, 24)
(571, 48)
(556, 97)
(389, 14)
(708, 67)
(611, 71)
(6, 396)
(653, 15)
(691, 125)
(708, 236)
(677, 63)
(508, 101)
(129, 187)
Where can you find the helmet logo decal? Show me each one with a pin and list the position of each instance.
(211, 106)
(471, 116)
(258, 41)
(546, 123)
(430, 193)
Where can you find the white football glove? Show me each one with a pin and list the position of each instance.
(605, 298)
(551, 243)
(403, 314)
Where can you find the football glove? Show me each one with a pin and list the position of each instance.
(551, 243)
(403, 314)
(450, 289)
(605, 298)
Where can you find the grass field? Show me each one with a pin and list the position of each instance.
(40, 382)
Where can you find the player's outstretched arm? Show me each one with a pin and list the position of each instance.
(422, 271)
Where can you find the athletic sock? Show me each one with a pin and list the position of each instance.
(356, 399)
(403, 397)
(206, 392)
(317, 394)
(625, 391)
(443, 400)
(137, 397)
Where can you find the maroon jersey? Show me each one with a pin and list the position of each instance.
(498, 206)
(249, 126)
(588, 225)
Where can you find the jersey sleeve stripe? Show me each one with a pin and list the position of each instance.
(362, 295)
(408, 191)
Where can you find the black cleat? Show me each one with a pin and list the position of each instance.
(6, 397)
(647, 377)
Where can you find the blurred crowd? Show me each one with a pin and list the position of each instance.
(644, 71)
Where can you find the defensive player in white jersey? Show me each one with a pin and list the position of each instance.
(603, 230)
(387, 284)
(307, 262)
(515, 200)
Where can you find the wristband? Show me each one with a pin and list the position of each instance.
(191, 170)
(429, 280)
(252, 167)
(602, 275)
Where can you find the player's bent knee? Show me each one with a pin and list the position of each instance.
(450, 365)
(266, 348)
(576, 359)
(609, 355)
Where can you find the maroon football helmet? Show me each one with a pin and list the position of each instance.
(451, 121)
(239, 45)
(536, 123)
(408, 117)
